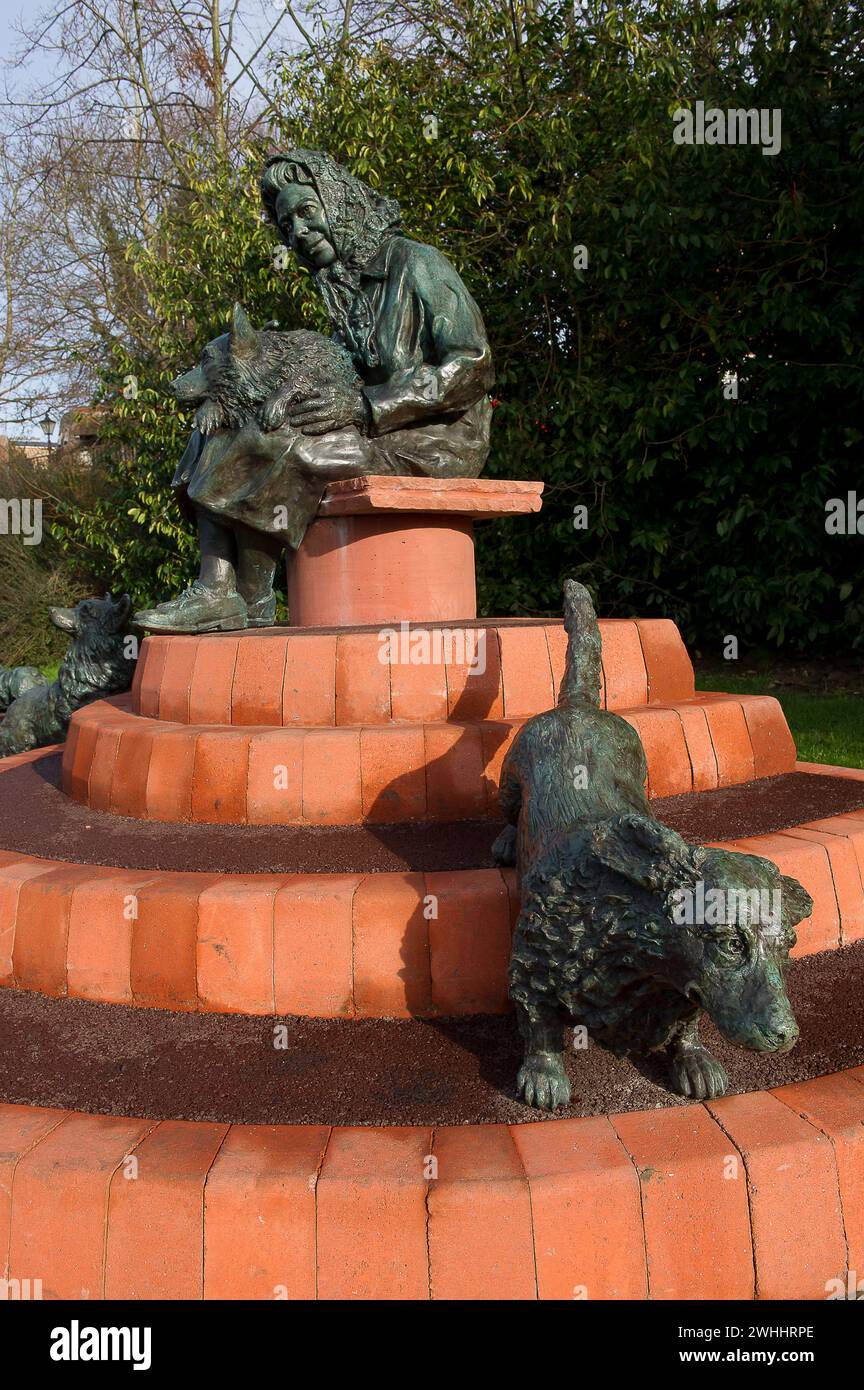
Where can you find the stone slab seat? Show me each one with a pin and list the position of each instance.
(629, 1206)
(327, 945)
(115, 760)
(390, 674)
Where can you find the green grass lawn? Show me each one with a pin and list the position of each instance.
(826, 728)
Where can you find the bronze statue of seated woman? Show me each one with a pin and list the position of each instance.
(401, 388)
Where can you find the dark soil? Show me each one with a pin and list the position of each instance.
(36, 818)
(111, 1059)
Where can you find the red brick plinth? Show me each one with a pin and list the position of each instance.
(385, 550)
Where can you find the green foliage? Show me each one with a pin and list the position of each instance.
(826, 728)
(702, 260)
(33, 577)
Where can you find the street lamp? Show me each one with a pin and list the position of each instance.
(47, 423)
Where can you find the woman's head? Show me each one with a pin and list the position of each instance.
(302, 222)
(310, 198)
(334, 223)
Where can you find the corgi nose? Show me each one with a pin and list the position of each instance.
(785, 1037)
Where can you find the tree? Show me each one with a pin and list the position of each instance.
(707, 268)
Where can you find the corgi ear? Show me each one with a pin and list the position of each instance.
(642, 850)
(243, 335)
(122, 609)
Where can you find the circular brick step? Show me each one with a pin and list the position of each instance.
(756, 1195)
(413, 673)
(115, 760)
(346, 944)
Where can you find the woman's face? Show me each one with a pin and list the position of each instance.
(302, 221)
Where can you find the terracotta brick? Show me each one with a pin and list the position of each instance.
(855, 774)
(393, 773)
(526, 673)
(155, 1241)
(586, 1208)
(556, 645)
(700, 748)
(235, 944)
(331, 777)
(259, 1213)
(667, 665)
(312, 951)
(362, 679)
(795, 1212)
(176, 679)
(474, 683)
(309, 686)
(835, 1105)
(41, 927)
(210, 690)
(730, 737)
(68, 759)
(164, 941)
(455, 785)
(372, 1215)
(850, 830)
(169, 777)
(274, 792)
(694, 1204)
(99, 943)
(78, 755)
(151, 660)
(220, 773)
(66, 1176)
(469, 941)
(21, 1128)
(626, 680)
(847, 880)
(418, 693)
(129, 783)
(808, 863)
(391, 947)
(256, 695)
(15, 870)
(496, 739)
(773, 744)
(509, 879)
(669, 771)
(479, 1187)
(104, 760)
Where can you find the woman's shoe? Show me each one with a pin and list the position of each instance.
(198, 609)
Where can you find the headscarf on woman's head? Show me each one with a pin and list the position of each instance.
(360, 221)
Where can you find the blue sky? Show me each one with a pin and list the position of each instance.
(10, 11)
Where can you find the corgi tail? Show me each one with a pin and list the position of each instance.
(581, 680)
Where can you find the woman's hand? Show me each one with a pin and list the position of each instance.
(274, 412)
(329, 408)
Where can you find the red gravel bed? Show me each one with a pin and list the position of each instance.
(118, 1060)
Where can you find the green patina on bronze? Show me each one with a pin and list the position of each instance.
(610, 934)
(415, 401)
(97, 664)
